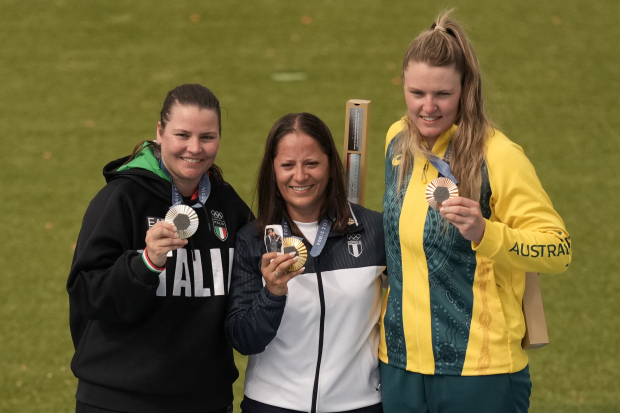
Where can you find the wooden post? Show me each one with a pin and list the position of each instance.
(355, 152)
(536, 335)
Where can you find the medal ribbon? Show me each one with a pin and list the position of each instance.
(321, 236)
(442, 166)
(204, 189)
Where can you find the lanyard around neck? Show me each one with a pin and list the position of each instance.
(442, 166)
(321, 236)
(204, 188)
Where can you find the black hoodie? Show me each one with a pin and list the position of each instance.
(149, 342)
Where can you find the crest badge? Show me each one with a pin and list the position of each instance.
(354, 242)
(219, 225)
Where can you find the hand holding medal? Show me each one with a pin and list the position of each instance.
(275, 267)
(162, 238)
(465, 215)
(284, 259)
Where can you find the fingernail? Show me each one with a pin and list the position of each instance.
(279, 253)
(292, 253)
(302, 268)
(295, 258)
(174, 228)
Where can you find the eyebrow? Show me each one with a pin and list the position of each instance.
(186, 131)
(417, 89)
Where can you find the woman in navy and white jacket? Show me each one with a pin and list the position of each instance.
(312, 334)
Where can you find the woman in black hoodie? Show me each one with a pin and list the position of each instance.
(147, 306)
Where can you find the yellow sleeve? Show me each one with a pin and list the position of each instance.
(524, 231)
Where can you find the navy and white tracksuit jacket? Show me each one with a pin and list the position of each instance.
(315, 349)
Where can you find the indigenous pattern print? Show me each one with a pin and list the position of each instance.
(451, 271)
(392, 204)
(451, 268)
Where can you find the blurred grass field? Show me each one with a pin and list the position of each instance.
(82, 82)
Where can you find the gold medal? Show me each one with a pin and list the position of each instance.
(292, 244)
(184, 218)
(440, 190)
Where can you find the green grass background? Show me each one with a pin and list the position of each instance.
(82, 81)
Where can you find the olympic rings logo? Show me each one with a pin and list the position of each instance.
(354, 237)
(217, 215)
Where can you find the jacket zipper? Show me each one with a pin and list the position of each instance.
(315, 390)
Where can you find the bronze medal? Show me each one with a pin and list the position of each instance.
(440, 190)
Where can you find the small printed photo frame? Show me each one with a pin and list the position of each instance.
(273, 237)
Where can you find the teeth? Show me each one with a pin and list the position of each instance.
(191, 160)
(301, 188)
(430, 119)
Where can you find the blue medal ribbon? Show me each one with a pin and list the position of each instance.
(321, 236)
(204, 189)
(442, 166)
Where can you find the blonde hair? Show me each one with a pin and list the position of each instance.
(446, 44)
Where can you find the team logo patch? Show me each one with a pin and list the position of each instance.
(219, 226)
(354, 242)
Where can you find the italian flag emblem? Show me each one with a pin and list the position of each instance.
(221, 233)
(219, 225)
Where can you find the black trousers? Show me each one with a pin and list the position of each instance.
(252, 406)
(85, 408)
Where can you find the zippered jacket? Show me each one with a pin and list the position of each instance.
(145, 340)
(314, 349)
(454, 307)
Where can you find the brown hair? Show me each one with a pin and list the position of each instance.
(446, 44)
(271, 204)
(187, 95)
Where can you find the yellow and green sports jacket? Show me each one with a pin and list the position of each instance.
(454, 307)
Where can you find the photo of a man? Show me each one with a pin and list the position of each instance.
(273, 238)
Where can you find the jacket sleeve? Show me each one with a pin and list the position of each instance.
(524, 231)
(108, 279)
(254, 314)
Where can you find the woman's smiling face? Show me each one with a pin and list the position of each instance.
(189, 144)
(433, 95)
(302, 175)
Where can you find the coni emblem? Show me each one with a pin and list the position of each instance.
(354, 242)
(219, 225)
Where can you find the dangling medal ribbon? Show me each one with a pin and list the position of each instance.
(442, 166)
(204, 189)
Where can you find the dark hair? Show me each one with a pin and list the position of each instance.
(271, 204)
(187, 95)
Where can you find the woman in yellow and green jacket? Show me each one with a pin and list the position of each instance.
(452, 321)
